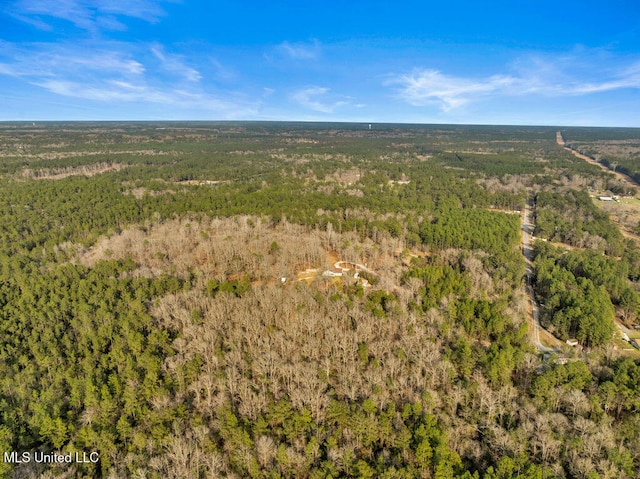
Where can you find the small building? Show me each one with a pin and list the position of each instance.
(572, 342)
(605, 198)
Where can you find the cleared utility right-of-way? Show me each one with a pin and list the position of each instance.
(528, 227)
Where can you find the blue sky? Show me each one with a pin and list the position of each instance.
(515, 62)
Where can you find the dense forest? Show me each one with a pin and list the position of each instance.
(274, 300)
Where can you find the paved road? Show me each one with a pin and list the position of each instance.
(621, 176)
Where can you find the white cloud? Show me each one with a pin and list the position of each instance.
(89, 15)
(125, 92)
(174, 64)
(423, 87)
(300, 51)
(222, 72)
(315, 98)
(105, 61)
(47, 60)
(120, 73)
(7, 70)
(628, 78)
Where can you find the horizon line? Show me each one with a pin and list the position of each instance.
(312, 122)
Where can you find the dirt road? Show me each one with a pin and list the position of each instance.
(527, 227)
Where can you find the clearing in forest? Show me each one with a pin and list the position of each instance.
(60, 173)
